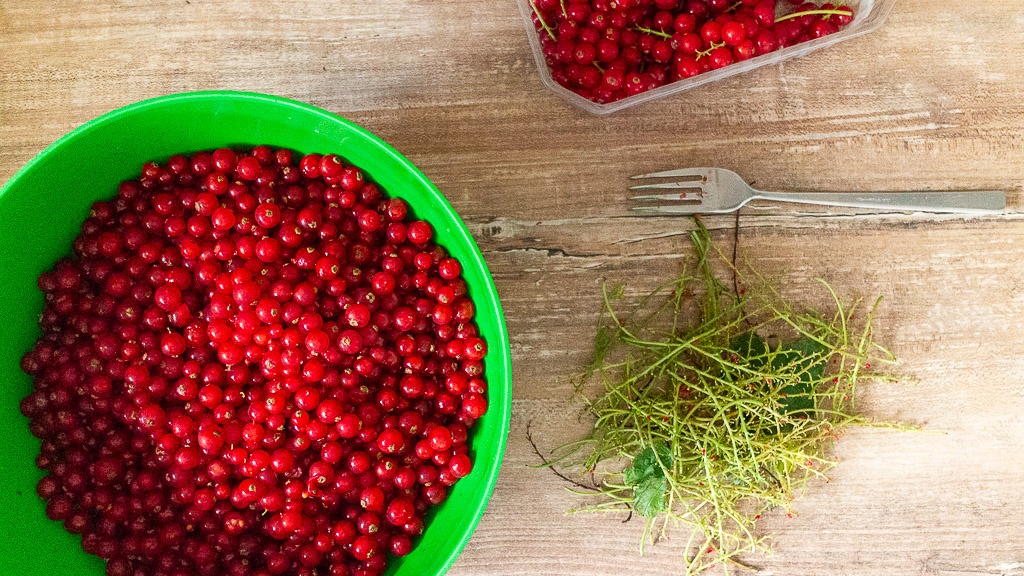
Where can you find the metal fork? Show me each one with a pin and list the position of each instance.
(718, 191)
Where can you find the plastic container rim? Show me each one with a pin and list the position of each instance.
(878, 11)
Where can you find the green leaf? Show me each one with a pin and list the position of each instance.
(751, 347)
(630, 477)
(651, 462)
(803, 356)
(649, 497)
(812, 356)
(807, 358)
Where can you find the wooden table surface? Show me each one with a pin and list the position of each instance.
(932, 100)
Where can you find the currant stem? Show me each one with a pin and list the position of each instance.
(654, 32)
(731, 414)
(813, 13)
(564, 13)
(710, 49)
(542, 22)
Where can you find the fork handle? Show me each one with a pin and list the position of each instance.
(974, 202)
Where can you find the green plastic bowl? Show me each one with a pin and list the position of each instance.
(42, 208)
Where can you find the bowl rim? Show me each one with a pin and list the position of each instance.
(502, 410)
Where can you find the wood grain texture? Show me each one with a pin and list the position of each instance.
(932, 101)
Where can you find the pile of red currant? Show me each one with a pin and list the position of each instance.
(606, 50)
(250, 367)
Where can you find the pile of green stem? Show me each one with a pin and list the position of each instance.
(731, 411)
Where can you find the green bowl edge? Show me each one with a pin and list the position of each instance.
(503, 350)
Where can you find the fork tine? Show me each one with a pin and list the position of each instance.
(674, 209)
(669, 186)
(669, 197)
(701, 172)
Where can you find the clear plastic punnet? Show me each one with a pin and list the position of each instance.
(868, 16)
